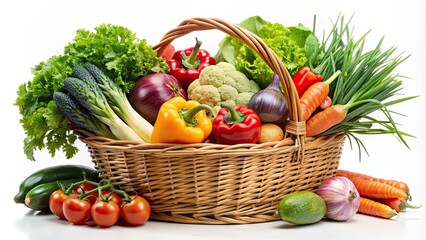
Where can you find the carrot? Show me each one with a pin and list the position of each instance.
(325, 119)
(399, 184)
(375, 189)
(397, 204)
(315, 95)
(373, 208)
(350, 174)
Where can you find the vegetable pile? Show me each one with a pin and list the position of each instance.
(338, 81)
(339, 198)
(361, 81)
(114, 85)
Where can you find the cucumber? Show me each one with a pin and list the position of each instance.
(38, 197)
(51, 174)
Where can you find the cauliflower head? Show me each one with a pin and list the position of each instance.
(222, 83)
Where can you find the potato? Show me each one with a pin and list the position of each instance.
(270, 132)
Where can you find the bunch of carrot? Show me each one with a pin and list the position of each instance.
(316, 97)
(380, 197)
(311, 99)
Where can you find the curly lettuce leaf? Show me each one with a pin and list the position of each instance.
(115, 49)
(118, 52)
(294, 45)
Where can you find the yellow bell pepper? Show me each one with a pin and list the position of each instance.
(181, 121)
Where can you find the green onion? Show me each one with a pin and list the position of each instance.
(366, 85)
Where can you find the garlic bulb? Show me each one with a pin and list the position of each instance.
(341, 197)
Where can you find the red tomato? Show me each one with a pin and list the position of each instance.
(56, 201)
(105, 214)
(112, 196)
(85, 187)
(168, 52)
(136, 212)
(76, 210)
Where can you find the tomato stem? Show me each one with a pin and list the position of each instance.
(102, 185)
(76, 184)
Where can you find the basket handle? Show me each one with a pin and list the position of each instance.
(295, 125)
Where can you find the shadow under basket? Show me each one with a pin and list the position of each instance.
(212, 183)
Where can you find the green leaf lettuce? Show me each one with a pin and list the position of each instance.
(294, 45)
(115, 49)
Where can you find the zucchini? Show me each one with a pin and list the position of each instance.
(38, 197)
(51, 174)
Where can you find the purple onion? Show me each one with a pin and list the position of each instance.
(340, 196)
(151, 91)
(269, 103)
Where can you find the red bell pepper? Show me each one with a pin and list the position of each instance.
(238, 124)
(304, 78)
(187, 64)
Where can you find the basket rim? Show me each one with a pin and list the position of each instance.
(130, 145)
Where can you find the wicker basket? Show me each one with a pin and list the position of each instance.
(220, 184)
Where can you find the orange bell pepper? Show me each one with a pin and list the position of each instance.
(181, 121)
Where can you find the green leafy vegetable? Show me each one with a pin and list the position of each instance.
(120, 104)
(119, 54)
(294, 45)
(368, 82)
(79, 115)
(88, 94)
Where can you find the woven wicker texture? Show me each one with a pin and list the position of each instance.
(220, 184)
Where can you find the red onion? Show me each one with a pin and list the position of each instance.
(151, 91)
(341, 197)
(269, 103)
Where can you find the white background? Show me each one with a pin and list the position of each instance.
(32, 31)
